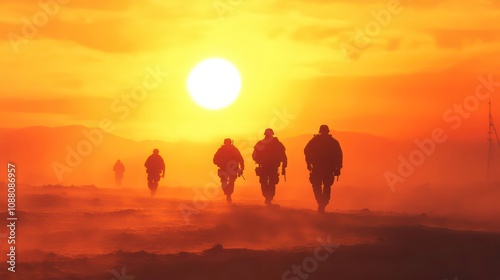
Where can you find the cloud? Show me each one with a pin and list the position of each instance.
(83, 108)
(101, 49)
(115, 27)
(459, 39)
(110, 5)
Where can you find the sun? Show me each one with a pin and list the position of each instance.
(214, 83)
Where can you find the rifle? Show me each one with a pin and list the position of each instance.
(240, 174)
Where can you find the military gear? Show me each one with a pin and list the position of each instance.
(324, 160)
(324, 152)
(240, 173)
(269, 132)
(258, 171)
(269, 154)
(324, 129)
(336, 172)
(231, 165)
(229, 159)
(155, 167)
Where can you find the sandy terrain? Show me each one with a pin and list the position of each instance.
(93, 233)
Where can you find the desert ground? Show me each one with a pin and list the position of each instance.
(86, 232)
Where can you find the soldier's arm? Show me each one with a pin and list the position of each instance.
(162, 167)
(307, 152)
(255, 154)
(284, 159)
(216, 158)
(340, 155)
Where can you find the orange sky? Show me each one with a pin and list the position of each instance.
(75, 66)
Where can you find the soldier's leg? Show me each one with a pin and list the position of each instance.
(227, 189)
(230, 188)
(154, 184)
(315, 179)
(150, 181)
(224, 185)
(328, 182)
(230, 185)
(223, 179)
(264, 184)
(273, 181)
(267, 191)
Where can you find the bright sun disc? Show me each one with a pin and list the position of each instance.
(214, 83)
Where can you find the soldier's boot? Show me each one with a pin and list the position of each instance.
(321, 208)
(268, 201)
(154, 187)
(271, 193)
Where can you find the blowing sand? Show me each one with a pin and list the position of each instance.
(92, 233)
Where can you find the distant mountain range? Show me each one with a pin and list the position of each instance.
(80, 155)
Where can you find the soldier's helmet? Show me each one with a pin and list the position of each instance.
(324, 129)
(156, 151)
(228, 141)
(269, 132)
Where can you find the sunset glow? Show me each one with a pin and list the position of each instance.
(239, 139)
(214, 83)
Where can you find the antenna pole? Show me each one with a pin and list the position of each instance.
(492, 130)
(490, 141)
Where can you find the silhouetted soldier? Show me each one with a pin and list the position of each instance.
(231, 165)
(119, 169)
(324, 162)
(155, 167)
(269, 154)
